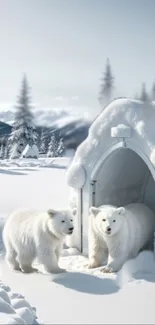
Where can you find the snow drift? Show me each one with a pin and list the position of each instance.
(14, 309)
(141, 267)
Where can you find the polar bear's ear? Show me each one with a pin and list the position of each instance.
(94, 211)
(51, 212)
(121, 211)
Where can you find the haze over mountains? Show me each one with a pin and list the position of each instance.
(72, 126)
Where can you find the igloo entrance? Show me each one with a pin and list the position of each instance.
(123, 178)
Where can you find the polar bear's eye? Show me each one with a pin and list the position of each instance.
(114, 220)
(103, 220)
(63, 221)
(71, 220)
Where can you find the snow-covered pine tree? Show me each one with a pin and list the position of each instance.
(107, 86)
(61, 148)
(6, 150)
(2, 149)
(144, 97)
(52, 147)
(15, 150)
(42, 147)
(23, 131)
(153, 92)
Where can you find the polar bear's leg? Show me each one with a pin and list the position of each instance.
(25, 261)
(51, 265)
(48, 258)
(118, 255)
(10, 257)
(114, 265)
(95, 260)
(98, 252)
(58, 251)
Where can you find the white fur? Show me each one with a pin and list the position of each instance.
(131, 231)
(28, 235)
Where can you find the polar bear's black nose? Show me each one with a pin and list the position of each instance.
(70, 229)
(108, 229)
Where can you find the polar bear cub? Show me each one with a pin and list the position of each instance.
(28, 235)
(117, 234)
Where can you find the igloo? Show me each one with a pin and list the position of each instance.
(115, 164)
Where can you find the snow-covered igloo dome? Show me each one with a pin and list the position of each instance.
(116, 163)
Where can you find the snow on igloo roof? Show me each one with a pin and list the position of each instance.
(120, 113)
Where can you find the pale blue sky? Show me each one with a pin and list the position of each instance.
(62, 45)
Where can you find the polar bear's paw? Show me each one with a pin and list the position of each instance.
(16, 268)
(54, 270)
(91, 265)
(106, 269)
(28, 269)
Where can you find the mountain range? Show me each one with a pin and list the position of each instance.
(71, 126)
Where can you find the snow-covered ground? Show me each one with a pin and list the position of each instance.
(58, 162)
(79, 296)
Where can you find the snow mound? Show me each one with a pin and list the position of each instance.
(14, 309)
(143, 266)
(70, 252)
(30, 151)
(76, 176)
(121, 131)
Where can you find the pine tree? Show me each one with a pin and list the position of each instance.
(15, 150)
(52, 147)
(23, 131)
(2, 149)
(61, 148)
(107, 85)
(6, 151)
(42, 147)
(153, 92)
(144, 97)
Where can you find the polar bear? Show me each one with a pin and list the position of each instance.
(117, 234)
(29, 234)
